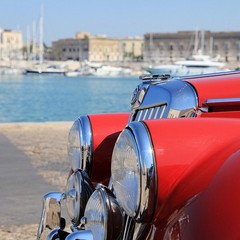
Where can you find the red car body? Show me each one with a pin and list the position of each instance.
(192, 192)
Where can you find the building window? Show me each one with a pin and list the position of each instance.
(215, 47)
(192, 47)
(226, 46)
(170, 47)
(161, 47)
(181, 47)
(238, 46)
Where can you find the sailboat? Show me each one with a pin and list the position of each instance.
(41, 67)
(198, 63)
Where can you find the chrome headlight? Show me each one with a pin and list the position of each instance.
(133, 171)
(80, 144)
(103, 215)
(78, 191)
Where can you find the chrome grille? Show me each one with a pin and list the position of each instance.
(150, 112)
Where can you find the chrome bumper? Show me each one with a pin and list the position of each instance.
(51, 224)
(51, 214)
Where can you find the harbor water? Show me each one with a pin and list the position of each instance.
(32, 98)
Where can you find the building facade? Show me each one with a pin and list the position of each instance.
(104, 49)
(11, 44)
(169, 47)
(132, 49)
(99, 48)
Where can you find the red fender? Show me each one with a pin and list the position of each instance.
(218, 86)
(105, 129)
(189, 152)
(214, 213)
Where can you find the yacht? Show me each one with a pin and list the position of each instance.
(196, 64)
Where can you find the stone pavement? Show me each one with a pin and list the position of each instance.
(21, 188)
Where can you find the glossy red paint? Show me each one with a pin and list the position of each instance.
(189, 153)
(216, 86)
(214, 213)
(105, 128)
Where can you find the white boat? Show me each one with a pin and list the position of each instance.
(99, 70)
(47, 69)
(82, 71)
(201, 61)
(110, 71)
(11, 71)
(42, 67)
(198, 63)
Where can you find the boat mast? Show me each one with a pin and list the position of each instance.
(202, 42)
(34, 42)
(195, 42)
(41, 37)
(211, 47)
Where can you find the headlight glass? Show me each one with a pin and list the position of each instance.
(103, 215)
(126, 172)
(78, 191)
(74, 146)
(134, 172)
(96, 215)
(80, 144)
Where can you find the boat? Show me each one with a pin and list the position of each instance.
(45, 69)
(84, 70)
(41, 67)
(99, 70)
(197, 63)
(10, 71)
(111, 71)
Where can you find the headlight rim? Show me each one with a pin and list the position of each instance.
(85, 135)
(148, 185)
(108, 200)
(147, 171)
(83, 189)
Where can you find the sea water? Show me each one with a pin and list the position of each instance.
(32, 98)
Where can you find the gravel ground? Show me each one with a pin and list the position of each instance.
(45, 144)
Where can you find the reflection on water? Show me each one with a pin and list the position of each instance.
(59, 98)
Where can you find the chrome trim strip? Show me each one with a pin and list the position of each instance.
(148, 178)
(156, 113)
(158, 104)
(163, 110)
(84, 234)
(51, 214)
(85, 135)
(215, 74)
(222, 102)
(150, 112)
(128, 228)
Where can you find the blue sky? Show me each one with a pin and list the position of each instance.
(122, 18)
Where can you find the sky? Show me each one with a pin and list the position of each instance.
(118, 18)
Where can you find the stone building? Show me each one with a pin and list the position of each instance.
(71, 49)
(104, 49)
(169, 47)
(10, 44)
(132, 49)
(98, 48)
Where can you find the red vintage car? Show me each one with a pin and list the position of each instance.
(167, 170)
